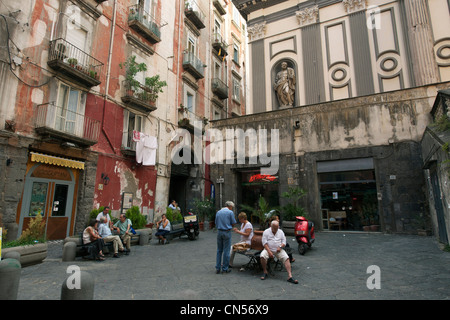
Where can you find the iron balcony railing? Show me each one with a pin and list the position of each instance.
(50, 116)
(138, 96)
(194, 13)
(219, 88)
(189, 120)
(193, 65)
(66, 56)
(219, 44)
(152, 29)
(128, 144)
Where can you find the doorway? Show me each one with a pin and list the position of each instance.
(49, 191)
(349, 200)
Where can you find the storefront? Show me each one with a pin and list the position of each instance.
(254, 185)
(51, 185)
(348, 195)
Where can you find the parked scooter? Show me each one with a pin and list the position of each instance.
(190, 224)
(304, 233)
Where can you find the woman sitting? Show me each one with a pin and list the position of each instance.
(91, 236)
(163, 227)
(246, 233)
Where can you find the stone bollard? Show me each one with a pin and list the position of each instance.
(12, 255)
(69, 251)
(144, 237)
(85, 289)
(10, 270)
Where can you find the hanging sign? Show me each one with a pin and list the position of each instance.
(262, 177)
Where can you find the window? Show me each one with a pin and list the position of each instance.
(236, 90)
(236, 16)
(236, 53)
(190, 102)
(192, 44)
(70, 110)
(131, 122)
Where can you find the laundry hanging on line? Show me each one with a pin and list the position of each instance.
(146, 146)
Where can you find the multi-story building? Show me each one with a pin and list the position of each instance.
(83, 121)
(348, 87)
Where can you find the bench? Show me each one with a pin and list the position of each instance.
(176, 229)
(254, 262)
(85, 248)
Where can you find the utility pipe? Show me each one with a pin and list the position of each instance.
(108, 74)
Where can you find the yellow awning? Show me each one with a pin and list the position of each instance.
(57, 161)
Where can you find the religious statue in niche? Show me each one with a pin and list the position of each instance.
(284, 85)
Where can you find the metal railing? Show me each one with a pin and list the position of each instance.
(190, 6)
(138, 13)
(190, 59)
(217, 39)
(187, 117)
(127, 141)
(140, 92)
(219, 87)
(51, 116)
(64, 51)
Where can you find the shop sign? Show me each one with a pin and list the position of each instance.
(262, 178)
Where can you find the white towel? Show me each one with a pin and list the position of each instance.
(146, 150)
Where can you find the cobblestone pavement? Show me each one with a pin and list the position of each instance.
(410, 267)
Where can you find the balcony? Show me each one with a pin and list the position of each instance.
(189, 120)
(219, 7)
(139, 98)
(62, 124)
(219, 88)
(193, 12)
(219, 45)
(193, 65)
(128, 146)
(73, 63)
(143, 23)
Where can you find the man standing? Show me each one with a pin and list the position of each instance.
(224, 223)
(105, 214)
(274, 241)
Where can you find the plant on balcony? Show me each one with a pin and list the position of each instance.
(182, 108)
(132, 69)
(72, 62)
(153, 86)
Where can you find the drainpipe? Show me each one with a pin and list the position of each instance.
(108, 74)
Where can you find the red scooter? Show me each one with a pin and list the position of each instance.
(304, 233)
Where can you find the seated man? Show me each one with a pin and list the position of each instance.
(105, 232)
(274, 241)
(123, 227)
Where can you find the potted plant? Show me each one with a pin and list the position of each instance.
(263, 213)
(292, 209)
(31, 244)
(132, 69)
(72, 62)
(153, 86)
(204, 209)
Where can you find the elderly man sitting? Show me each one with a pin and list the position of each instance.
(105, 232)
(274, 241)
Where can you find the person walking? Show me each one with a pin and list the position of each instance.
(224, 222)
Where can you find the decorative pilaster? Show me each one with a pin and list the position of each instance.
(425, 69)
(354, 5)
(307, 16)
(257, 31)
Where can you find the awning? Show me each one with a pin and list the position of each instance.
(57, 161)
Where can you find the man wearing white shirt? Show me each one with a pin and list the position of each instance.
(274, 241)
(105, 232)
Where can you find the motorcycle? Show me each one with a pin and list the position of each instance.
(304, 233)
(190, 224)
